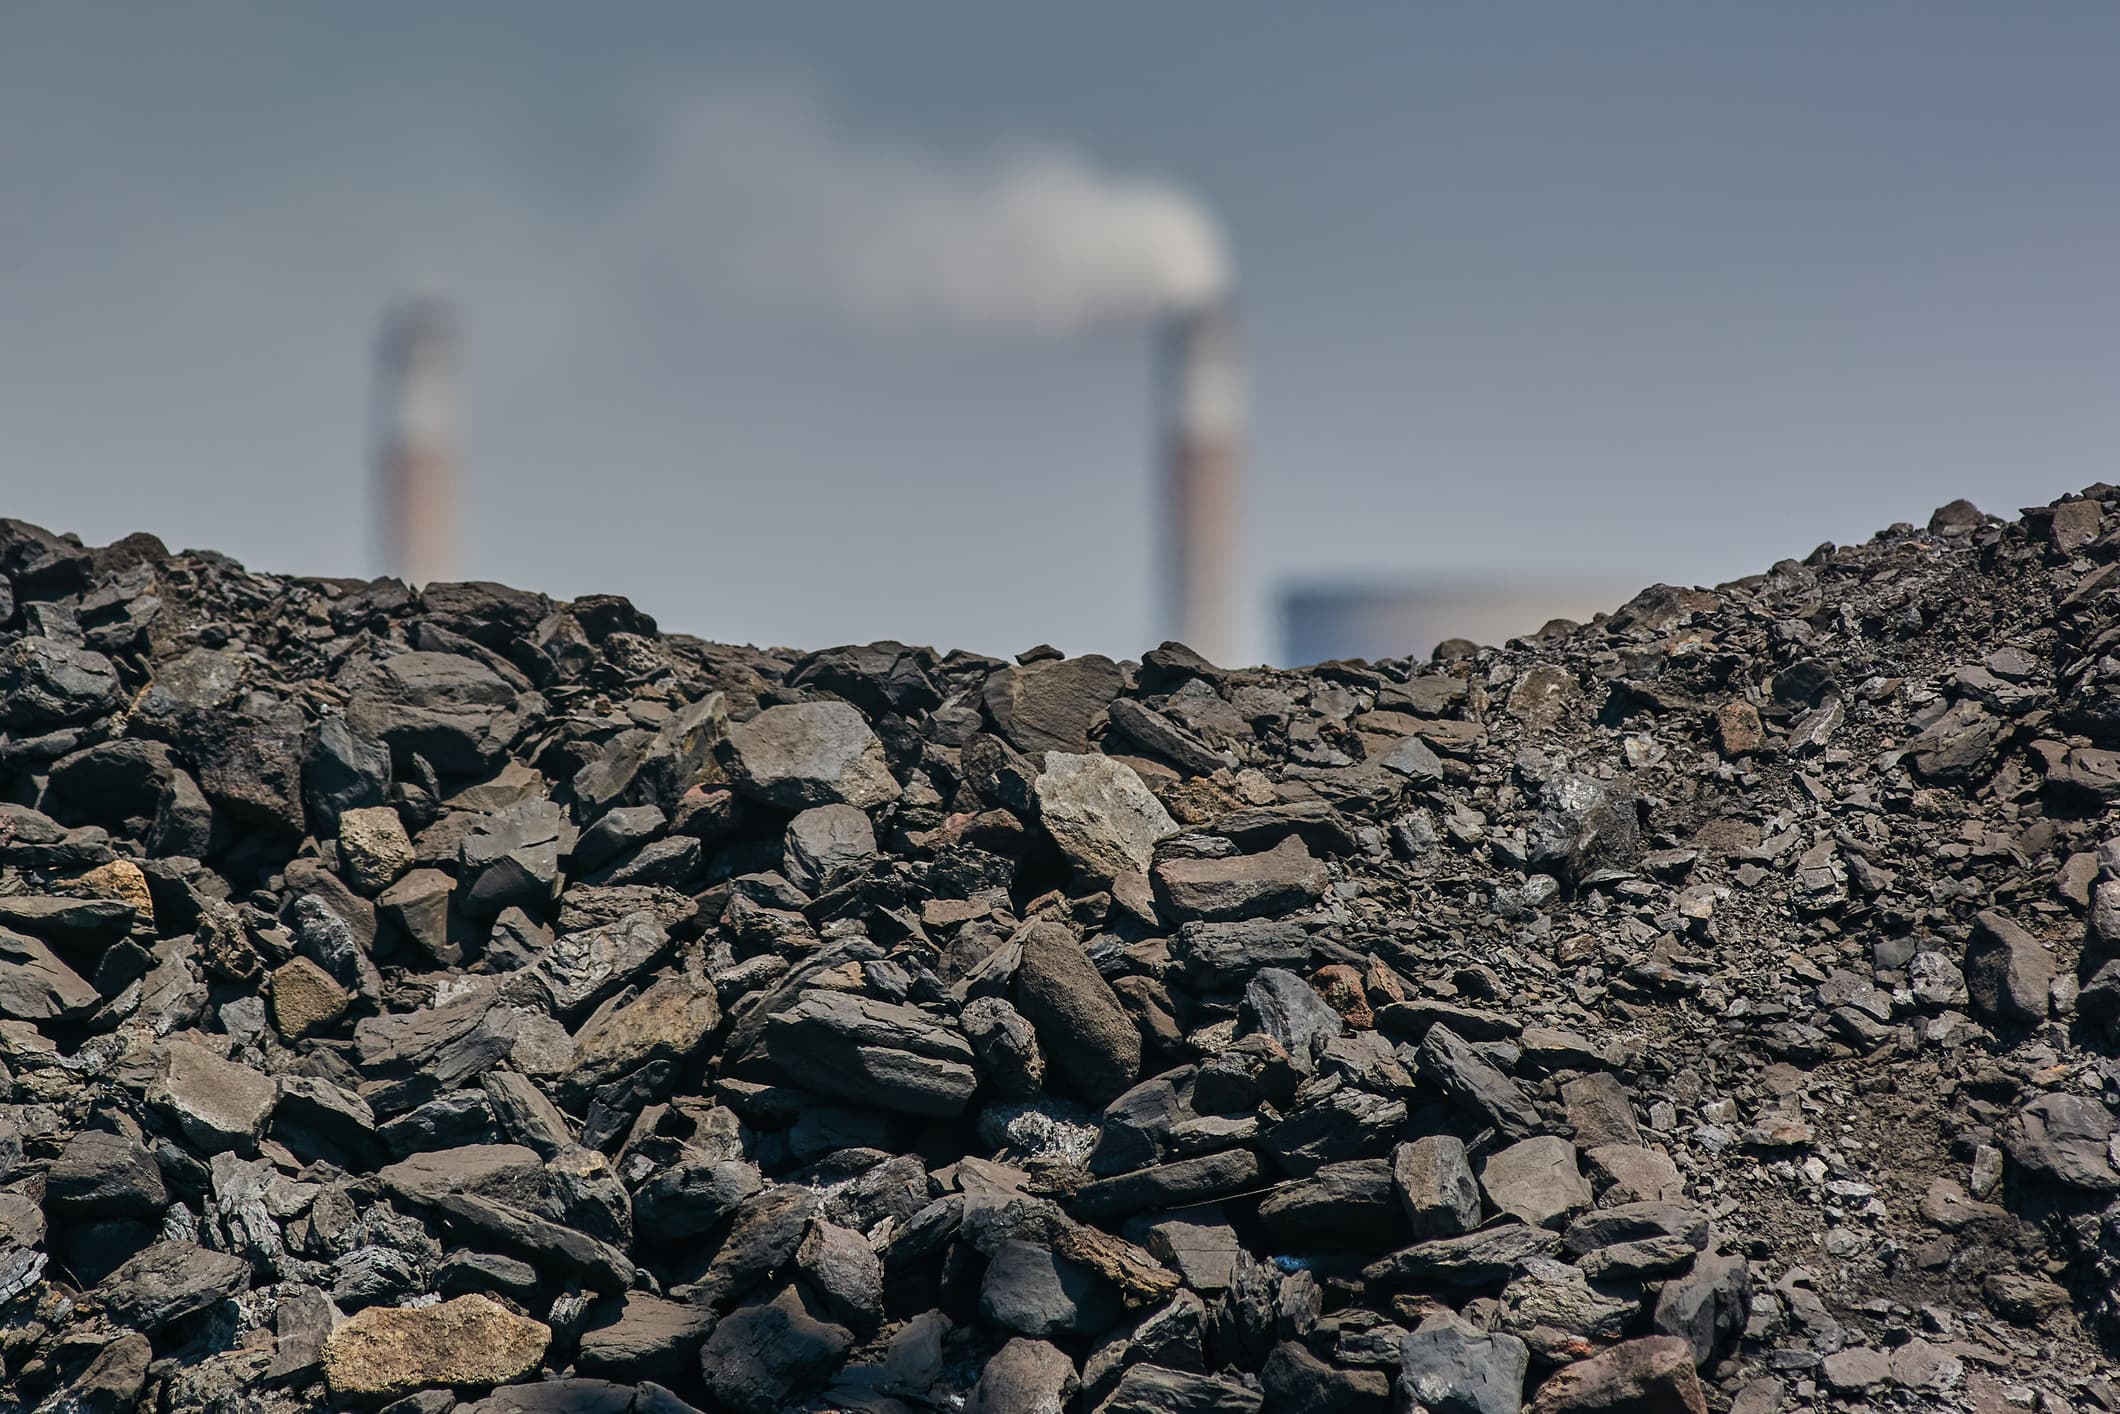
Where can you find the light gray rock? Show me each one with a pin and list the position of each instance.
(219, 1104)
(802, 754)
(1100, 815)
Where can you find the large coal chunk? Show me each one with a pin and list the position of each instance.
(1281, 880)
(809, 753)
(1052, 704)
(169, 1281)
(452, 711)
(763, 1358)
(872, 1052)
(103, 1174)
(45, 683)
(1085, 1032)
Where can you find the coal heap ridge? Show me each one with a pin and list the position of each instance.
(465, 1000)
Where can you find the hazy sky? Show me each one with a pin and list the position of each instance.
(1667, 291)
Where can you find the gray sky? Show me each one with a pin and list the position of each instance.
(1665, 291)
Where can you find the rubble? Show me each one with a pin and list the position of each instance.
(460, 1000)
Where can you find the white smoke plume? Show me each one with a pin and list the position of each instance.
(770, 199)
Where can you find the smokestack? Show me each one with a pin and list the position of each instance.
(1204, 401)
(416, 451)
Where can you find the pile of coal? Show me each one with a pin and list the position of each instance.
(465, 1000)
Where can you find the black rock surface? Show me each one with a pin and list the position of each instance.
(1715, 1006)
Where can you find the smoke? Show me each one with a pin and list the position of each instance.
(765, 198)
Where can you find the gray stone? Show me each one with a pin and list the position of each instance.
(1344, 1207)
(1708, 1306)
(872, 1052)
(810, 753)
(617, 832)
(1198, 1245)
(1024, 1377)
(1293, 1378)
(823, 840)
(1159, 734)
(510, 859)
(1486, 1258)
(693, 1197)
(583, 967)
(1652, 1375)
(1624, 1223)
(44, 683)
(1448, 1366)
(1536, 1180)
(1600, 1111)
(1857, 1368)
(1156, 1389)
(637, 1336)
(1035, 1292)
(1171, 1185)
(667, 1021)
(1956, 747)
(1436, 1186)
(1100, 815)
(1085, 1033)
(1267, 885)
(419, 903)
(1215, 955)
(1585, 825)
(2066, 1138)
(218, 1103)
(449, 709)
(2008, 972)
(1051, 705)
(1280, 1004)
(36, 986)
(1554, 1310)
(1005, 1048)
(100, 1174)
(843, 1271)
(1626, 1173)
(764, 1358)
(169, 1281)
(1472, 1082)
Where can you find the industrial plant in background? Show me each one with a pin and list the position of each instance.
(1386, 618)
(1203, 404)
(416, 451)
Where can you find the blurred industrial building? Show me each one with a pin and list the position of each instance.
(1407, 618)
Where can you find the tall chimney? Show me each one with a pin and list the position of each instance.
(416, 443)
(1203, 398)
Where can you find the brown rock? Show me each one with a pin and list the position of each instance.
(1653, 1375)
(473, 1341)
(305, 998)
(1341, 987)
(1738, 731)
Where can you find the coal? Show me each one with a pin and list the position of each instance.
(1557, 1026)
